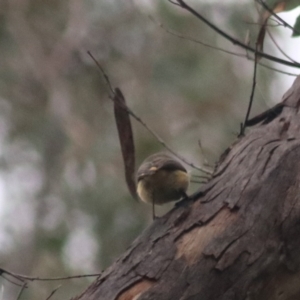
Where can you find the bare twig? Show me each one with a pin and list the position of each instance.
(267, 25)
(31, 278)
(279, 48)
(202, 152)
(21, 291)
(53, 292)
(261, 92)
(284, 23)
(276, 70)
(106, 78)
(11, 281)
(59, 278)
(252, 94)
(193, 39)
(164, 144)
(196, 181)
(138, 119)
(218, 48)
(233, 40)
(173, 2)
(201, 176)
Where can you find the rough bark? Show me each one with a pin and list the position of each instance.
(239, 239)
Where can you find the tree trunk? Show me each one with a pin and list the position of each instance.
(239, 239)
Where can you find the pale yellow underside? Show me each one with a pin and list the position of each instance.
(163, 186)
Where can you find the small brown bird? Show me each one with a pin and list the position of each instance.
(161, 179)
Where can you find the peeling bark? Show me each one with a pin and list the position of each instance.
(238, 239)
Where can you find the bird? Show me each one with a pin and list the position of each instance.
(161, 179)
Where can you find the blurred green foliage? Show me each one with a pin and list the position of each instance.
(64, 205)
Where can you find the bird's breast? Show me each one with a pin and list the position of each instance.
(163, 186)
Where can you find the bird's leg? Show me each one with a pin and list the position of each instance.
(184, 195)
(184, 200)
(153, 210)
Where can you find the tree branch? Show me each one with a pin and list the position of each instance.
(233, 40)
